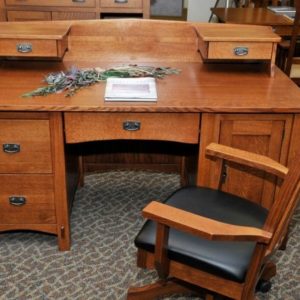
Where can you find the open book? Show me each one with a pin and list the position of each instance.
(130, 89)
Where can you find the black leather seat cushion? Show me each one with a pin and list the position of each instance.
(227, 259)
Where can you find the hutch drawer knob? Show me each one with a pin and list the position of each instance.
(11, 148)
(131, 125)
(17, 200)
(241, 51)
(121, 1)
(24, 48)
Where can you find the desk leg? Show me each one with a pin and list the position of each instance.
(60, 182)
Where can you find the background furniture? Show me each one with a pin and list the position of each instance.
(255, 16)
(291, 65)
(197, 236)
(33, 10)
(204, 104)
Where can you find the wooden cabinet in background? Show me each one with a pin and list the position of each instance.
(36, 10)
(260, 133)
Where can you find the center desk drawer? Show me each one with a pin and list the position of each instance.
(73, 3)
(25, 146)
(122, 3)
(27, 199)
(177, 127)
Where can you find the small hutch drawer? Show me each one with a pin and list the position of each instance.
(72, 3)
(34, 40)
(239, 50)
(25, 146)
(30, 48)
(176, 127)
(122, 3)
(27, 199)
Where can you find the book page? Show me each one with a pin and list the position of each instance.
(131, 89)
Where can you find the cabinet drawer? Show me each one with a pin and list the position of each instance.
(72, 3)
(73, 15)
(238, 50)
(25, 146)
(177, 127)
(27, 199)
(122, 3)
(20, 16)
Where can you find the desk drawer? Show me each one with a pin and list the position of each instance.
(33, 47)
(25, 146)
(71, 3)
(177, 127)
(238, 50)
(27, 199)
(122, 3)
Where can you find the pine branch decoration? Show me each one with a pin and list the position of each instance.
(74, 79)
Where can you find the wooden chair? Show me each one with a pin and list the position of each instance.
(201, 237)
(292, 65)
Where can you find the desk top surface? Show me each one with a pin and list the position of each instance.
(254, 16)
(200, 87)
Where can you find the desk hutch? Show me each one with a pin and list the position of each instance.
(236, 104)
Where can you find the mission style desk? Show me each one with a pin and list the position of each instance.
(236, 104)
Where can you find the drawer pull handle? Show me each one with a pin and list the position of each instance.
(121, 1)
(17, 200)
(78, 1)
(11, 148)
(241, 51)
(131, 125)
(24, 48)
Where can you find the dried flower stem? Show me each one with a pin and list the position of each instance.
(75, 79)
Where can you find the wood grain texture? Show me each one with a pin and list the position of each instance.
(198, 88)
(38, 191)
(70, 3)
(21, 16)
(29, 10)
(33, 137)
(201, 226)
(34, 30)
(247, 158)
(235, 33)
(107, 126)
(263, 134)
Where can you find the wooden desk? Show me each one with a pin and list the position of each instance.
(234, 104)
(255, 16)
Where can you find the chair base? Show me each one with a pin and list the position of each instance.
(161, 288)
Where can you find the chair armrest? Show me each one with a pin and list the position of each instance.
(250, 159)
(201, 226)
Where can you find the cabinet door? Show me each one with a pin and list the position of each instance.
(20, 16)
(263, 134)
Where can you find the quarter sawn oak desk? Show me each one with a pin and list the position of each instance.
(231, 103)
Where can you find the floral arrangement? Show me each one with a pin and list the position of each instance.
(74, 79)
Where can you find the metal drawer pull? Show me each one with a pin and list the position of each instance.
(17, 200)
(241, 51)
(24, 48)
(78, 1)
(121, 1)
(11, 148)
(131, 125)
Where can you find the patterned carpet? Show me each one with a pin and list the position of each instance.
(101, 263)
